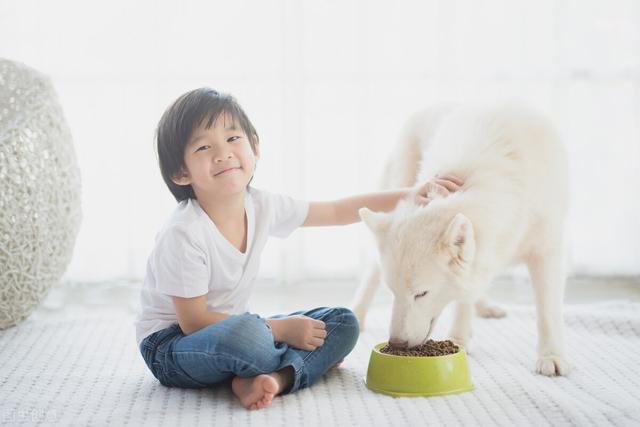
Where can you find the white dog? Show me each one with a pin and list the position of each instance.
(511, 209)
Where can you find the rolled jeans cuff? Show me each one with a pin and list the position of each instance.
(293, 359)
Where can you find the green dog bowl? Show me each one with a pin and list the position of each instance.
(418, 375)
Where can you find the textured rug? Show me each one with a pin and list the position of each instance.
(87, 371)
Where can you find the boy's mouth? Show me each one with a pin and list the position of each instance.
(227, 170)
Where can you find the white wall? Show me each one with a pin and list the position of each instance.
(328, 85)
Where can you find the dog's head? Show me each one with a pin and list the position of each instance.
(426, 259)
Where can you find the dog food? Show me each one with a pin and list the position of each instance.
(430, 348)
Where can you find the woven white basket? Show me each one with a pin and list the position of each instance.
(39, 191)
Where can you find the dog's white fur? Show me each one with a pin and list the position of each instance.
(510, 210)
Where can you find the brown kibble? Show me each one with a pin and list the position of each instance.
(430, 348)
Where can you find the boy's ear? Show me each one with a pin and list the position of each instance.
(181, 178)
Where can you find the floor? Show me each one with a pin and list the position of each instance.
(74, 362)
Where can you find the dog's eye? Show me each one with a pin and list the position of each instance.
(421, 294)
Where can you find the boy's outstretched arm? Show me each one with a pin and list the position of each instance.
(345, 211)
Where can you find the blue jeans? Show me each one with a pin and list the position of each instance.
(242, 345)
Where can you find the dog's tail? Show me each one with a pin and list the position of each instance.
(403, 165)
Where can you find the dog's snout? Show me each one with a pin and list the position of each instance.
(398, 343)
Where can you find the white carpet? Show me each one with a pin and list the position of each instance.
(88, 371)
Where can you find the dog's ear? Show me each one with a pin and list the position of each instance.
(376, 221)
(459, 241)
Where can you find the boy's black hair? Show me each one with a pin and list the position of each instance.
(187, 113)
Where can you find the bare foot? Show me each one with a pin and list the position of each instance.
(255, 392)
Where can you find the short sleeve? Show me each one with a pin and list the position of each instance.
(287, 214)
(181, 265)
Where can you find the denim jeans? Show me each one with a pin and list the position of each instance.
(242, 345)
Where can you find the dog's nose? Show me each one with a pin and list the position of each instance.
(398, 343)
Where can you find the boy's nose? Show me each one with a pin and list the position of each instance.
(224, 157)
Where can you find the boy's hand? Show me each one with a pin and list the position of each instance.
(299, 331)
(442, 185)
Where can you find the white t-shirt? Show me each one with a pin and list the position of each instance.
(192, 258)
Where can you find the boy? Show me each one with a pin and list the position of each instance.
(194, 329)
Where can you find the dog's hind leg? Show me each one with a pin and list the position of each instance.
(485, 309)
(548, 279)
(365, 293)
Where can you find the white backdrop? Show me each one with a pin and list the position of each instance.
(328, 86)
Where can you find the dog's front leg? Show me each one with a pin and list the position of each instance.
(366, 292)
(547, 277)
(460, 332)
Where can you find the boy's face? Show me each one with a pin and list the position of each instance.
(219, 160)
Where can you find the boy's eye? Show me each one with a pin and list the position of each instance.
(204, 147)
(233, 139)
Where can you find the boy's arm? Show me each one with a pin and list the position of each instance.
(345, 211)
(193, 315)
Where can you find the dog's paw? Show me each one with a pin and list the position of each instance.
(490, 311)
(552, 365)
